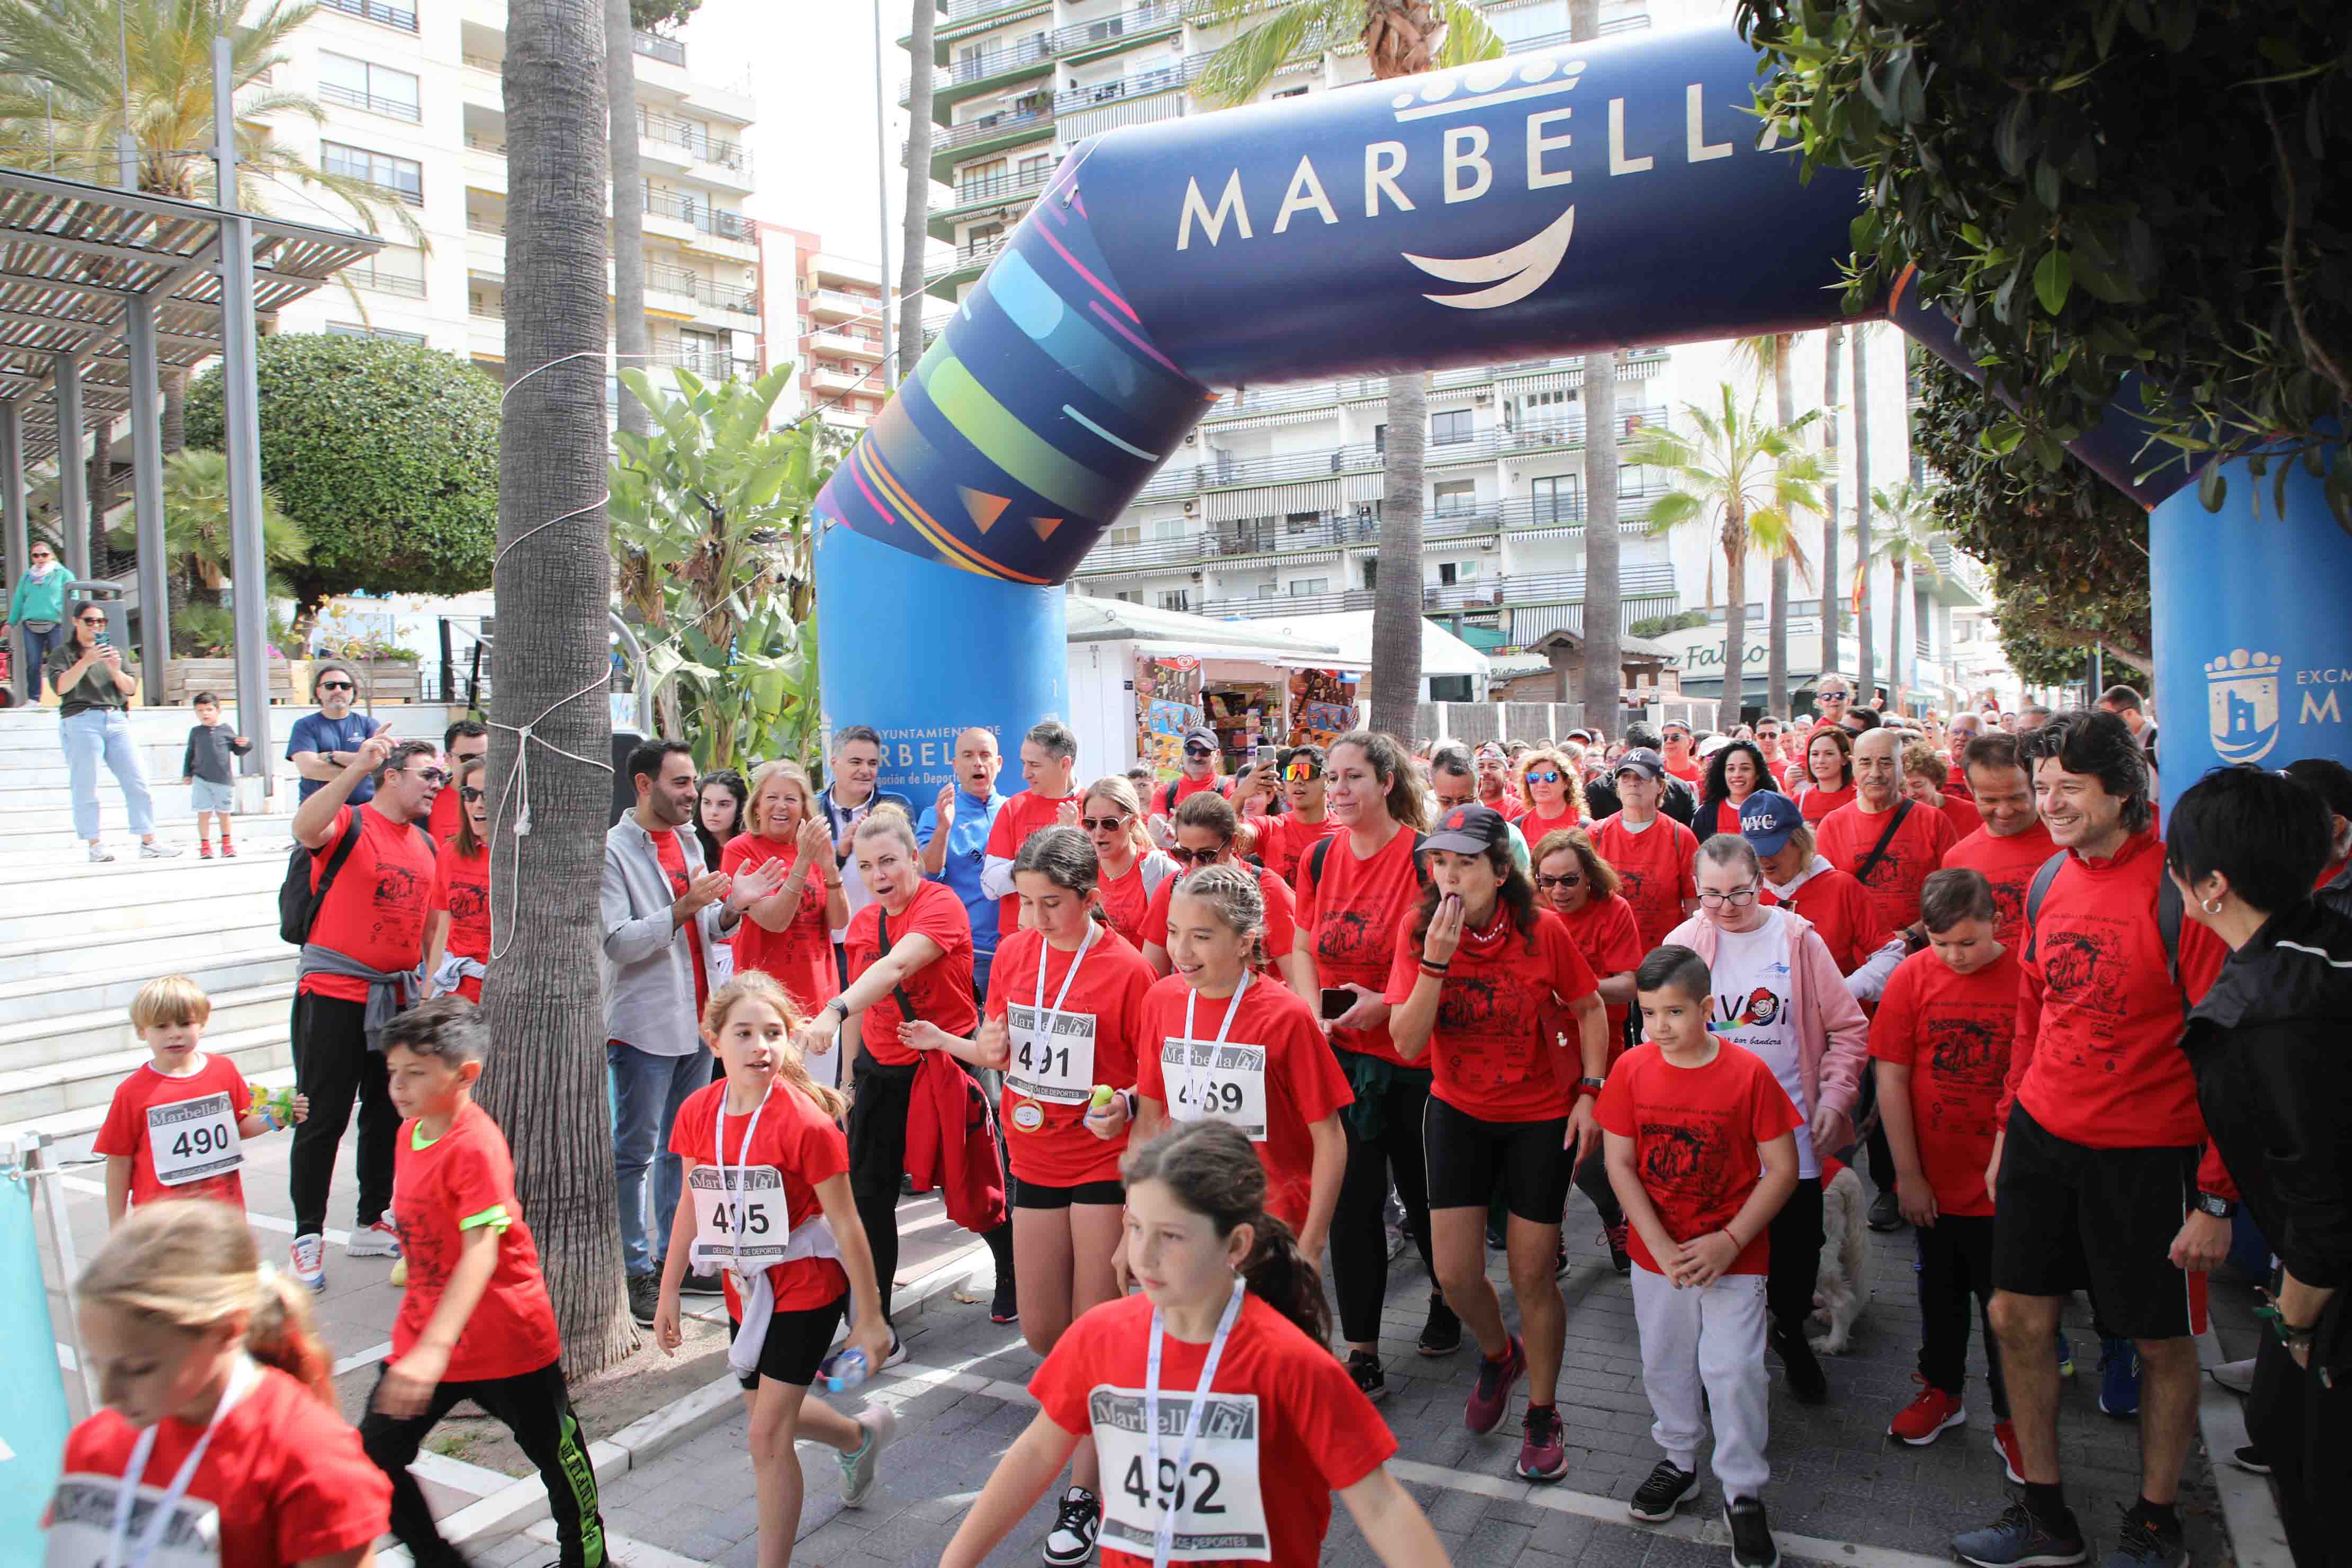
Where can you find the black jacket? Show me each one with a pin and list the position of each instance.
(2273, 1069)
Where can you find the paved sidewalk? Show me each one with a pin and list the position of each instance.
(1841, 1491)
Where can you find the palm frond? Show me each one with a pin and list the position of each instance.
(1296, 32)
(1469, 36)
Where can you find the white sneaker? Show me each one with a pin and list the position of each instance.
(898, 1354)
(2237, 1376)
(99, 854)
(160, 851)
(309, 1254)
(376, 1240)
(1075, 1524)
(857, 1470)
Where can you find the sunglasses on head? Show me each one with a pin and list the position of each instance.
(334, 685)
(1103, 824)
(1183, 856)
(471, 793)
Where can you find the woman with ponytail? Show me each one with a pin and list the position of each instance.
(219, 1397)
(1230, 1323)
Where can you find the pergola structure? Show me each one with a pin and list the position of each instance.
(99, 289)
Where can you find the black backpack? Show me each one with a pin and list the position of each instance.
(1322, 851)
(297, 905)
(2170, 913)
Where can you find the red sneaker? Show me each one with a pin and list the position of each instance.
(205, 849)
(2004, 1443)
(1928, 1416)
(1492, 1396)
(228, 849)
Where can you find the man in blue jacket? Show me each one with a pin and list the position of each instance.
(965, 809)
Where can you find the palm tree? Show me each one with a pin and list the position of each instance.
(1904, 541)
(632, 343)
(546, 1080)
(914, 243)
(196, 540)
(1604, 658)
(1772, 354)
(1833, 612)
(1864, 632)
(1403, 37)
(1745, 478)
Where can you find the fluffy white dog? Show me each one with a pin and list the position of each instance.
(1842, 1286)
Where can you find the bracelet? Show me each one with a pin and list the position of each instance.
(1433, 966)
(1738, 1245)
(1591, 1086)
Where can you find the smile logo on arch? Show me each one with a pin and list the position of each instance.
(1513, 274)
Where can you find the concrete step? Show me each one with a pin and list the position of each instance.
(46, 832)
(65, 951)
(69, 1036)
(243, 896)
(258, 839)
(23, 765)
(87, 1083)
(54, 797)
(255, 958)
(61, 1125)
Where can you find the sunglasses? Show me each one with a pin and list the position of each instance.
(1102, 824)
(1198, 751)
(334, 685)
(1574, 879)
(471, 794)
(432, 775)
(1298, 772)
(1549, 776)
(91, 620)
(1183, 856)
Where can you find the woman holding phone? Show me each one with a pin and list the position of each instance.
(94, 693)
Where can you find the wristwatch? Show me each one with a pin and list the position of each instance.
(2219, 1208)
(1592, 1087)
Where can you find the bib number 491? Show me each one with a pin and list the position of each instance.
(1045, 1060)
(1172, 1493)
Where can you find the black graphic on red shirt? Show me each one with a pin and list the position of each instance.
(1349, 936)
(1629, 884)
(1965, 1050)
(2009, 899)
(398, 902)
(1679, 1156)
(468, 902)
(2082, 968)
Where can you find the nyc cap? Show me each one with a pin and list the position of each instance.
(1642, 760)
(1471, 830)
(1766, 820)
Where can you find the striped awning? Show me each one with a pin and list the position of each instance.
(1293, 416)
(1277, 500)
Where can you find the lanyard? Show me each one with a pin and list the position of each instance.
(1045, 948)
(743, 1166)
(241, 1380)
(1232, 1010)
(1164, 1537)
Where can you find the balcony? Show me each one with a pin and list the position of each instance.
(1082, 40)
(654, 46)
(710, 364)
(1509, 592)
(697, 214)
(693, 286)
(843, 378)
(975, 73)
(1247, 403)
(1280, 604)
(969, 260)
(1005, 128)
(1143, 84)
(353, 98)
(832, 304)
(375, 11)
(1567, 435)
(991, 190)
(369, 273)
(1080, 123)
(660, 130)
(863, 345)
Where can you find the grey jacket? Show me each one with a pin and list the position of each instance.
(648, 974)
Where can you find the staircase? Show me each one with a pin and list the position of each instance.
(78, 940)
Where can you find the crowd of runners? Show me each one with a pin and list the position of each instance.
(1198, 1058)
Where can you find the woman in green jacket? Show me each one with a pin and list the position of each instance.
(38, 606)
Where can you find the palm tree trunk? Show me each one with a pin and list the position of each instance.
(1604, 655)
(175, 408)
(630, 339)
(912, 238)
(1735, 624)
(100, 476)
(1396, 601)
(1776, 611)
(546, 1084)
(1865, 641)
(1833, 595)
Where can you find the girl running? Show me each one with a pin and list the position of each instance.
(457, 935)
(1829, 772)
(1554, 793)
(1354, 892)
(1204, 830)
(787, 933)
(1223, 1422)
(1130, 870)
(1065, 1014)
(767, 1203)
(220, 1422)
(1575, 884)
(1479, 971)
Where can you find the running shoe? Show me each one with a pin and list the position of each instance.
(1005, 1306)
(857, 1469)
(1496, 1240)
(310, 1255)
(898, 1354)
(2143, 1542)
(1441, 1331)
(1752, 1545)
(1808, 1383)
(377, 1238)
(1614, 1236)
(152, 852)
(1669, 1487)
(2018, 1539)
(1076, 1525)
(1926, 1418)
(2118, 1378)
(702, 1282)
(99, 854)
(1372, 1382)
(2249, 1458)
(2004, 1443)
(1543, 1455)
(203, 849)
(2237, 1376)
(228, 849)
(1885, 1213)
(645, 1299)
(1491, 1396)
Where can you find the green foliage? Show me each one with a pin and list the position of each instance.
(387, 454)
(1741, 472)
(2095, 188)
(1659, 625)
(196, 521)
(648, 15)
(1297, 32)
(2067, 551)
(710, 528)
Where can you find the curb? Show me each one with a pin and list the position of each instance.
(2248, 1510)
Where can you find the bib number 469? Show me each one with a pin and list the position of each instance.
(1173, 1488)
(1215, 1098)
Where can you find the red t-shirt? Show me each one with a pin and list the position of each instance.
(940, 990)
(462, 1180)
(1688, 771)
(1285, 1429)
(443, 822)
(1282, 842)
(804, 1148)
(1281, 919)
(285, 1474)
(1125, 902)
(1848, 834)
(1653, 871)
(1351, 918)
(1842, 915)
(1505, 801)
(1166, 798)
(461, 889)
(1101, 1015)
(1020, 816)
(800, 956)
(671, 852)
(1962, 811)
(1490, 1048)
(1607, 935)
(1533, 825)
(1817, 802)
(1275, 1078)
(1953, 1032)
(2008, 865)
(1697, 1134)
(2096, 1057)
(1726, 820)
(376, 911)
(145, 1109)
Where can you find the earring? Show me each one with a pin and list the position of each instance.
(2209, 905)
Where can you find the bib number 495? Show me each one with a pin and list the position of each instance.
(733, 1219)
(1172, 1493)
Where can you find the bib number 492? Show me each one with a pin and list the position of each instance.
(1173, 1488)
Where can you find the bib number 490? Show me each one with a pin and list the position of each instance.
(1173, 1487)
(198, 1141)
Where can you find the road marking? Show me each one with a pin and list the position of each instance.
(367, 1357)
(263, 1221)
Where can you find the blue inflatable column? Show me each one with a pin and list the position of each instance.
(2249, 607)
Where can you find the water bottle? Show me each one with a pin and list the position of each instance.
(843, 1369)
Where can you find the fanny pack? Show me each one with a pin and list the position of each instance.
(43, 627)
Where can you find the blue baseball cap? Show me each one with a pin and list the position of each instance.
(1767, 819)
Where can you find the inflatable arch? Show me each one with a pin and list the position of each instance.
(1584, 199)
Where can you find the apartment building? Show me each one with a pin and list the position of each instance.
(414, 106)
(826, 313)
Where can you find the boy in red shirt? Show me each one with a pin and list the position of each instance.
(1941, 1039)
(1649, 852)
(476, 1322)
(177, 1124)
(1690, 1118)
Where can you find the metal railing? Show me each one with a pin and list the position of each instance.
(853, 304)
(1212, 543)
(721, 366)
(1246, 402)
(477, 225)
(978, 252)
(1105, 30)
(654, 46)
(1502, 593)
(488, 310)
(958, 12)
(700, 214)
(481, 143)
(1002, 123)
(694, 140)
(1143, 84)
(693, 286)
(369, 274)
(1020, 56)
(993, 188)
(353, 98)
(375, 11)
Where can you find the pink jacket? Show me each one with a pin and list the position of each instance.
(1832, 1038)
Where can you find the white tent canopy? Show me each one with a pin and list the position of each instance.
(1441, 652)
(1173, 632)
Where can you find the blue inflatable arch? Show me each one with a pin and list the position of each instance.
(1584, 199)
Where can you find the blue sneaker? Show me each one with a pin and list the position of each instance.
(2118, 1378)
(2065, 1355)
(2144, 1544)
(2018, 1539)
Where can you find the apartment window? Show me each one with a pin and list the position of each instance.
(1033, 167)
(1555, 500)
(1267, 591)
(353, 330)
(1127, 534)
(1372, 573)
(1128, 596)
(1306, 586)
(399, 17)
(1299, 91)
(1450, 572)
(1633, 479)
(1457, 496)
(394, 269)
(1301, 522)
(359, 84)
(1176, 599)
(404, 177)
(1450, 427)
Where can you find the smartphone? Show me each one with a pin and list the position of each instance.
(1337, 1000)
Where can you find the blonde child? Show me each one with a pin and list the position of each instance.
(767, 1202)
(178, 1123)
(218, 1397)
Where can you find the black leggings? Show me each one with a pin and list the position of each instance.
(877, 1159)
(1956, 1271)
(537, 1411)
(1592, 1181)
(1796, 1234)
(1360, 1243)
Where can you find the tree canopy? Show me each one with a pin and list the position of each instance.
(2095, 188)
(385, 454)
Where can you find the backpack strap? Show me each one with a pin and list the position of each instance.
(1315, 859)
(2039, 890)
(1886, 837)
(342, 851)
(2170, 913)
(905, 1003)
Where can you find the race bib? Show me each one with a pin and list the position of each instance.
(1220, 1512)
(1053, 1054)
(740, 1219)
(192, 1140)
(82, 1516)
(1211, 1083)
